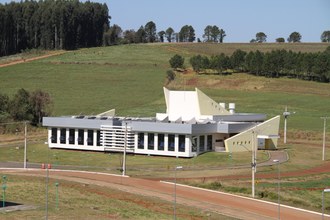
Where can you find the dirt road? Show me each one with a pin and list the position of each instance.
(227, 204)
(31, 59)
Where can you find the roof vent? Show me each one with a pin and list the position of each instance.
(232, 108)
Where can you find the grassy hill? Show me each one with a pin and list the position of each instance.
(130, 78)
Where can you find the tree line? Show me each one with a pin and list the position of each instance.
(70, 24)
(148, 34)
(277, 63)
(25, 106)
(212, 33)
(49, 24)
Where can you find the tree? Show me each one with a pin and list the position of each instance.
(220, 62)
(20, 108)
(150, 31)
(4, 107)
(199, 62)
(261, 37)
(129, 36)
(187, 34)
(207, 33)
(294, 37)
(280, 40)
(237, 59)
(161, 35)
(222, 35)
(140, 36)
(176, 61)
(325, 37)
(40, 103)
(215, 33)
(170, 76)
(169, 34)
(113, 35)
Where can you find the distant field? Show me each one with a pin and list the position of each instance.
(229, 48)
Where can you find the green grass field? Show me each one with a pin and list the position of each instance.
(130, 78)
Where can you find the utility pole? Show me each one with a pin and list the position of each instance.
(124, 156)
(25, 137)
(253, 163)
(324, 130)
(286, 114)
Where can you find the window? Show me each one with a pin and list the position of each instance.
(81, 137)
(194, 144)
(54, 135)
(71, 136)
(161, 141)
(151, 141)
(209, 142)
(201, 143)
(182, 143)
(98, 138)
(62, 135)
(171, 142)
(141, 141)
(90, 137)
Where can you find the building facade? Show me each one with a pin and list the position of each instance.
(193, 124)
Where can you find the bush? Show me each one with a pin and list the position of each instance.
(176, 61)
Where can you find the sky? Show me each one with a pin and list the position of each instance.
(241, 19)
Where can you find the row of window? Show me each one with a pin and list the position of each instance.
(171, 142)
(75, 139)
(160, 145)
(241, 142)
(201, 143)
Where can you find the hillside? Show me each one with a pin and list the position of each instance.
(130, 78)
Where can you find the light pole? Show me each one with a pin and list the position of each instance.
(324, 191)
(47, 181)
(254, 142)
(324, 129)
(174, 205)
(124, 156)
(253, 163)
(4, 186)
(278, 188)
(286, 114)
(56, 185)
(25, 137)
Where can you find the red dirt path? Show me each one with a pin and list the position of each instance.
(30, 59)
(227, 204)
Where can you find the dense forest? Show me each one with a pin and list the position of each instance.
(277, 63)
(51, 24)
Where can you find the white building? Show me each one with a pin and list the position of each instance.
(193, 124)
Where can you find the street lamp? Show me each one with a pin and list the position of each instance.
(124, 156)
(4, 186)
(324, 191)
(278, 188)
(25, 137)
(174, 205)
(56, 185)
(286, 114)
(324, 128)
(47, 181)
(254, 155)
